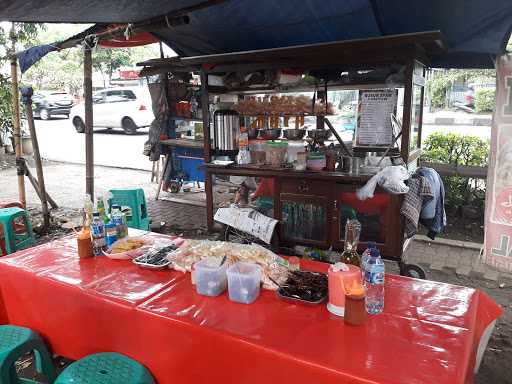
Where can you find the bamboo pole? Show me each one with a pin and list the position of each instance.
(89, 143)
(16, 120)
(27, 100)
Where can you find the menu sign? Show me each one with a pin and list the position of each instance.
(374, 126)
(498, 214)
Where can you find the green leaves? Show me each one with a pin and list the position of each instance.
(485, 100)
(457, 149)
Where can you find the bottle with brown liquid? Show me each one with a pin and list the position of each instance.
(352, 232)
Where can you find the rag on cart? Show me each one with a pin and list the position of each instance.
(433, 214)
(420, 192)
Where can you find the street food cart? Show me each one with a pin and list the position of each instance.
(325, 198)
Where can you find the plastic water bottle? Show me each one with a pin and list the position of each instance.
(97, 235)
(374, 283)
(119, 221)
(365, 256)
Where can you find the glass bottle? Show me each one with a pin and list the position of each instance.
(352, 232)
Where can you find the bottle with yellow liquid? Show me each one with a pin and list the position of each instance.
(352, 233)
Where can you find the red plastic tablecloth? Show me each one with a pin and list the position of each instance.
(428, 332)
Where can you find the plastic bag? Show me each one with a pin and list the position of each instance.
(390, 178)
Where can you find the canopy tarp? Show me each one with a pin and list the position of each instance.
(475, 30)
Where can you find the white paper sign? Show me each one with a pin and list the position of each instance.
(247, 220)
(374, 123)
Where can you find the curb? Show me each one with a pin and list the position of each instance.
(476, 121)
(450, 242)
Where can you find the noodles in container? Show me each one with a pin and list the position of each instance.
(129, 247)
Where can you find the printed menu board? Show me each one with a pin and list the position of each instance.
(374, 126)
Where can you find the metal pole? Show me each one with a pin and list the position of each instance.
(27, 100)
(89, 144)
(16, 121)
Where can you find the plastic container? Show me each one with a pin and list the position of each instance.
(244, 282)
(210, 276)
(258, 149)
(276, 153)
(316, 161)
(294, 147)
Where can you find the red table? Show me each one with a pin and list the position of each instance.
(429, 332)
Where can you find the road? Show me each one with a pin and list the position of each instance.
(59, 141)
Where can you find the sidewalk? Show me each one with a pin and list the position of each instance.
(456, 118)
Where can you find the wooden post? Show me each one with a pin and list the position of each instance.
(89, 142)
(208, 180)
(27, 100)
(16, 121)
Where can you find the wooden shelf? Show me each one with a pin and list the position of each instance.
(266, 171)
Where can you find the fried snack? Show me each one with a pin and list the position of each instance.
(128, 245)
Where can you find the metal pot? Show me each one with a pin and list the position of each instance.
(294, 134)
(319, 134)
(226, 129)
(270, 134)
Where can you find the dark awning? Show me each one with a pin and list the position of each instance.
(475, 30)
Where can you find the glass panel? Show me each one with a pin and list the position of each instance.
(303, 220)
(415, 116)
(371, 213)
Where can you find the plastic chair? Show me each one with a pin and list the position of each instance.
(15, 342)
(15, 230)
(135, 200)
(105, 368)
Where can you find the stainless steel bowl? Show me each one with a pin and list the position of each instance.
(270, 134)
(319, 134)
(294, 134)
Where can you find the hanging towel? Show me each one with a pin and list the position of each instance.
(433, 214)
(420, 192)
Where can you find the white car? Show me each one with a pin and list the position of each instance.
(128, 108)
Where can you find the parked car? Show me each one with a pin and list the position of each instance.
(46, 104)
(128, 108)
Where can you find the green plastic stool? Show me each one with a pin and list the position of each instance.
(105, 368)
(16, 342)
(16, 229)
(135, 200)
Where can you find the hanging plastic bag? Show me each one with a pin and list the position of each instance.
(390, 178)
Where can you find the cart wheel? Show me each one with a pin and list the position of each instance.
(412, 270)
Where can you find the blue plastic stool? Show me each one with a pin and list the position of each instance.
(105, 368)
(15, 342)
(134, 199)
(15, 229)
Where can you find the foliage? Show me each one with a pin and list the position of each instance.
(437, 87)
(456, 149)
(23, 34)
(107, 60)
(485, 100)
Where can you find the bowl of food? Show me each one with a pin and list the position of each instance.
(294, 134)
(270, 134)
(129, 247)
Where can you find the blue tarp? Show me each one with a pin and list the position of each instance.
(475, 30)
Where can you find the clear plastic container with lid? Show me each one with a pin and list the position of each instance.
(210, 276)
(276, 153)
(244, 282)
(258, 150)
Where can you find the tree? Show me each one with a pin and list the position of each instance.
(107, 60)
(23, 34)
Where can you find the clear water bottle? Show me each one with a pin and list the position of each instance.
(98, 235)
(365, 256)
(119, 221)
(374, 283)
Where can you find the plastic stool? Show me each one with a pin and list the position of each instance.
(16, 235)
(10, 204)
(105, 368)
(136, 201)
(16, 342)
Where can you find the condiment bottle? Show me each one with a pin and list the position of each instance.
(352, 232)
(84, 243)
(355, 311)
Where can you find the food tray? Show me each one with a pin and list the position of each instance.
(293, 299)
(150, 266)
